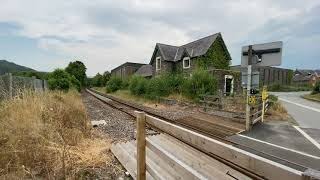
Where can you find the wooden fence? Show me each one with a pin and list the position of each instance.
(234, 156)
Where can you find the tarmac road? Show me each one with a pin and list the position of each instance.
(305, 112)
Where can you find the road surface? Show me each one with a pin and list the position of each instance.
(305, 112)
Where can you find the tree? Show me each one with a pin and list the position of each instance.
(78, 70)
(105, 77)
(59, 79)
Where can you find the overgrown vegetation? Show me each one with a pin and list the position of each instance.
(114, 84)
(74, 76)
(59, 79)
(315, 94)
(48, 136)
(316, 88)
(286, 88)
(200, 83)
(99, 80)
(36, 74)
(217, 56)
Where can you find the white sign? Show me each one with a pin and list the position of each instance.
(268, 54)
(254, 79)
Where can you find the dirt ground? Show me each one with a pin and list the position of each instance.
(119, 127)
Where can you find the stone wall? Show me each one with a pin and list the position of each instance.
(220, 74)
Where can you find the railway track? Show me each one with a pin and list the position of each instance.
(219, 133)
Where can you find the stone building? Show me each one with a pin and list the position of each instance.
(126, 70)
(210, 52)
(270, 75)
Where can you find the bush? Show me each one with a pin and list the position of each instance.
(59, 80)
(114, 84)
(200, 83)
(75, 83)
(316, 88)
(157, 87)
(138, 85)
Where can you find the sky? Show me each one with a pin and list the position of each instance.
(46, 34)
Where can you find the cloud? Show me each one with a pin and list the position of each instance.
(106, 33)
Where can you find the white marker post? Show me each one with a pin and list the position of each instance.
(248, 120)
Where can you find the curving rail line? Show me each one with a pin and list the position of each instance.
(129, 109)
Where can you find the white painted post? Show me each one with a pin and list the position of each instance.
(248, 121)
(141, 145)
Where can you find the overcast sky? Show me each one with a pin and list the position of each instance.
(45, 35)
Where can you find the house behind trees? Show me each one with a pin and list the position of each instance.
(209, 53)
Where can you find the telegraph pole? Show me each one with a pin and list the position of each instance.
(248, 114)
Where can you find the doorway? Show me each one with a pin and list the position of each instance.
(228, 86)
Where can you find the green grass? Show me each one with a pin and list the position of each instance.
(312, 97)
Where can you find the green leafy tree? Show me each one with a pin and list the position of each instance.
(105, 78)
(78, 70)
(59, 80)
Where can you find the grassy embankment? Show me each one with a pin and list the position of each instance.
(287, 88)
(48, 136)
(313, 97)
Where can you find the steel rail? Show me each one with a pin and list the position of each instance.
(252, 174)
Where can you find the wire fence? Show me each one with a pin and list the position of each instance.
(11, 86)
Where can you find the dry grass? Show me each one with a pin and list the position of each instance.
(313, 97)
(47, 136)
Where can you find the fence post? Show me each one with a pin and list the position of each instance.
(141, 145)
(10, 86)
(34, 83)
(264, 99)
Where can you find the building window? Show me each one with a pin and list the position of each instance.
(186, 62)
(158, 63)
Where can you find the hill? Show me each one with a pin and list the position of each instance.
(9, 67)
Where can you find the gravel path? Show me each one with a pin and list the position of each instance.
(119, 127)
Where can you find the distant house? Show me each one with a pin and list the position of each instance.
(126, 70)
(306, 77)
(145, 71)
(210, 52)
(269, 75)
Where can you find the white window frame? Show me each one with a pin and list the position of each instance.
(158, 59)
(184, 59)
(225, 83)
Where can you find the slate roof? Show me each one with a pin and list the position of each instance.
(145, 71)
(305, 72)
(300, 77)
(194, 49)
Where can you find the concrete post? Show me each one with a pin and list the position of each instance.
(34, 83)
(141, 145)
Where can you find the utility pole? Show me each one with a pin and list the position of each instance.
(248, 114)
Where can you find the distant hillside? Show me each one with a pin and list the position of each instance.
(9, 67)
